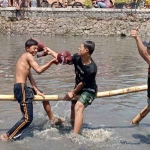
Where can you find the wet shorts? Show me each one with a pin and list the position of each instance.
(23, 94)
(86, 98)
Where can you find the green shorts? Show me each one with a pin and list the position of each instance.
(86, 98)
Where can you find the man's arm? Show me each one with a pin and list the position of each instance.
(78, 88)
(141, 48)
(32, 81)
(71, 94)
(36, 67)
(51, 52)
(63, 57)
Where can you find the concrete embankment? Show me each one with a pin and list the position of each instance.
(73, 21)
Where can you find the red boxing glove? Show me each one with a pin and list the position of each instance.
(42, 54)
(41, 45)
(64, 57)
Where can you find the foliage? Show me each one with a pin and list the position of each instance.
(120, 1)
(88, 3)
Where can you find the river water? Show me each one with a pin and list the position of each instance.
(107, 122)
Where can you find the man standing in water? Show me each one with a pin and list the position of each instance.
(24, 94)
(85, 83)
(144, 51)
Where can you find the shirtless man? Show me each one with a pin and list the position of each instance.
(25, 95)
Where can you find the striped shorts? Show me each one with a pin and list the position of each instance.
(24, 95)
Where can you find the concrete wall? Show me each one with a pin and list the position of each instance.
(73, 21)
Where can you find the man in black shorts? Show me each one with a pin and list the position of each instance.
(24, 94)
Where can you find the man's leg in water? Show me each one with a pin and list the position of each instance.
(79, 107)
(54, 120)
(72, 117)
(16, 131)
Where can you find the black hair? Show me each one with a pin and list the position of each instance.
(90, 46)
(30, 42)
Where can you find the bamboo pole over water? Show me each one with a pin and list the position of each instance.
(141, 115)
(99, 94)
(122, 91)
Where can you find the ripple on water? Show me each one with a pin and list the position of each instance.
(119, 66)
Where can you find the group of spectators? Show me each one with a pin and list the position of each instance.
(17, 3)
(14, 3)
(29, 3)
(103, 3)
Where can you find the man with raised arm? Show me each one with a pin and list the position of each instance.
(144, 51)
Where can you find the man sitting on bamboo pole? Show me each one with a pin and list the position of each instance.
(85, 83)
(24, 94)
(144, 51)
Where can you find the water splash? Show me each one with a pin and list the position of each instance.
(48, 134)
(63, 60)
(91, 136)
(60, 64)
(97, 135)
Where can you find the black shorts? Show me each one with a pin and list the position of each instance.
(23, 94)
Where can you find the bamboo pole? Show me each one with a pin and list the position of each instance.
(99, 94)
(122, 91)
(141, 115)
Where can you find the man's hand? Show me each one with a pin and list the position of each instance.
(40, 94)
(134, 33)
(54, 60)
(48, 50)
(69, 96)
